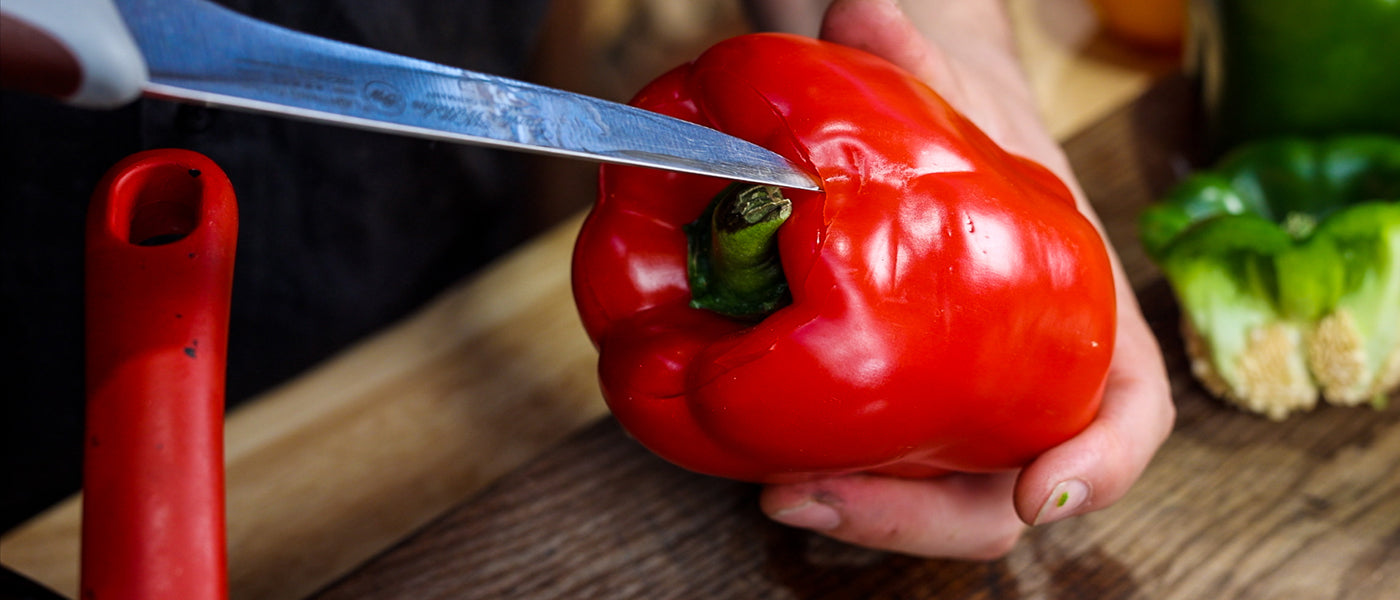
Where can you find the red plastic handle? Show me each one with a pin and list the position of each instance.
(161, 233)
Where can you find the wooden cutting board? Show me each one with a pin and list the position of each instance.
(1234, 506)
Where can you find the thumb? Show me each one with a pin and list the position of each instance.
(1096, 468)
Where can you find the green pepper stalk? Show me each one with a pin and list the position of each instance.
(734, 264)
(1286, 261)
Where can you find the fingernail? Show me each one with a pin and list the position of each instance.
(1064, 500)
(809, 515)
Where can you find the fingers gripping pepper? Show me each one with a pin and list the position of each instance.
(941, 305)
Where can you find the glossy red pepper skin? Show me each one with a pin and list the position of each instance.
(161, 234)
(952, 309)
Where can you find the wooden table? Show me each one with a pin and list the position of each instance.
(1234, 505)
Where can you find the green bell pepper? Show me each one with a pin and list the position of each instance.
(1285, 259)
(1296, 67)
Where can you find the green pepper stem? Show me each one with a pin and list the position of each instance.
(734, 265)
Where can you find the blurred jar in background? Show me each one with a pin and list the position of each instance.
(1154, 24)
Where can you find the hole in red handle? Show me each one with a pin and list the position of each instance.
(166, 209)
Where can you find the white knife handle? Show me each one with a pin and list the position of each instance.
(78, 51)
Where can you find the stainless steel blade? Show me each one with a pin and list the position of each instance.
(200, 52)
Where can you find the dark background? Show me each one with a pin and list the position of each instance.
(341, 231)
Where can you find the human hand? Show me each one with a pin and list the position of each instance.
(965, 50)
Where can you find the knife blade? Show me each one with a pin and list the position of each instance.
(199, 52)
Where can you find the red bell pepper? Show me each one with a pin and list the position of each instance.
(947, 307)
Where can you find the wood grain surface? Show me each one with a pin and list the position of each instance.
(1234, 506)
